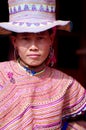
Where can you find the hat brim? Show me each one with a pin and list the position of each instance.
(22, 27)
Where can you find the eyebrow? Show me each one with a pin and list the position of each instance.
(33, 33)
(29, 34)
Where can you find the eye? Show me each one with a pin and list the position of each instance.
(40, 37)
(26, 38)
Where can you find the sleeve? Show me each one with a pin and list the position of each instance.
(78, 125)
(74, 100)
(74, 110)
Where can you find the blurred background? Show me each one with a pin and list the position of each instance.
(70, 47)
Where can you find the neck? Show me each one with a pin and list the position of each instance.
(32, 69)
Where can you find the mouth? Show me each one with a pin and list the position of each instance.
(33, 56)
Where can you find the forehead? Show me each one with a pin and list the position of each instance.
(30, 34)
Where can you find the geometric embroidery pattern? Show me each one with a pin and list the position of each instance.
(32, 7)
(31, 24)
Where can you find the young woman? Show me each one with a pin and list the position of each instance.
(34, 96)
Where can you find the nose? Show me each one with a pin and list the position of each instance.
(33, 46)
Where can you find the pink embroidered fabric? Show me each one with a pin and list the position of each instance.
(37, 102)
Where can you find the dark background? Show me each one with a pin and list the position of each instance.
(70, 46)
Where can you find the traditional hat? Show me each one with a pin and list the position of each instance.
(32, 16)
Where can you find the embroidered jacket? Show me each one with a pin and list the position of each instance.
(39, 102)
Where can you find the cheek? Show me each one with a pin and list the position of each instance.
(21, 51)
(46, 50)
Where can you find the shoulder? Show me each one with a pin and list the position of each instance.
(66, 81)
(61, 75)
(61, 81)
(5, 64)
(5, 67)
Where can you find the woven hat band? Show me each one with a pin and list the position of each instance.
(29, 10)
(30, 16)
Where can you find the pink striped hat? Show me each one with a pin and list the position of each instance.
(32, 16)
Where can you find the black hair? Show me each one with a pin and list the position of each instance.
(14, 33)
(50, 31)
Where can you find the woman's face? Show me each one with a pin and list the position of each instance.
(33, 48)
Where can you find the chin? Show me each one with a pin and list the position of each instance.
(34, 65)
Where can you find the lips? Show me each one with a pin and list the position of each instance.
(33, 55)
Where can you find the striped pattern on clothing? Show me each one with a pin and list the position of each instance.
(37, 102)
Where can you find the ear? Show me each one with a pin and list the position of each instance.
(13, 40)
(52, 39)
